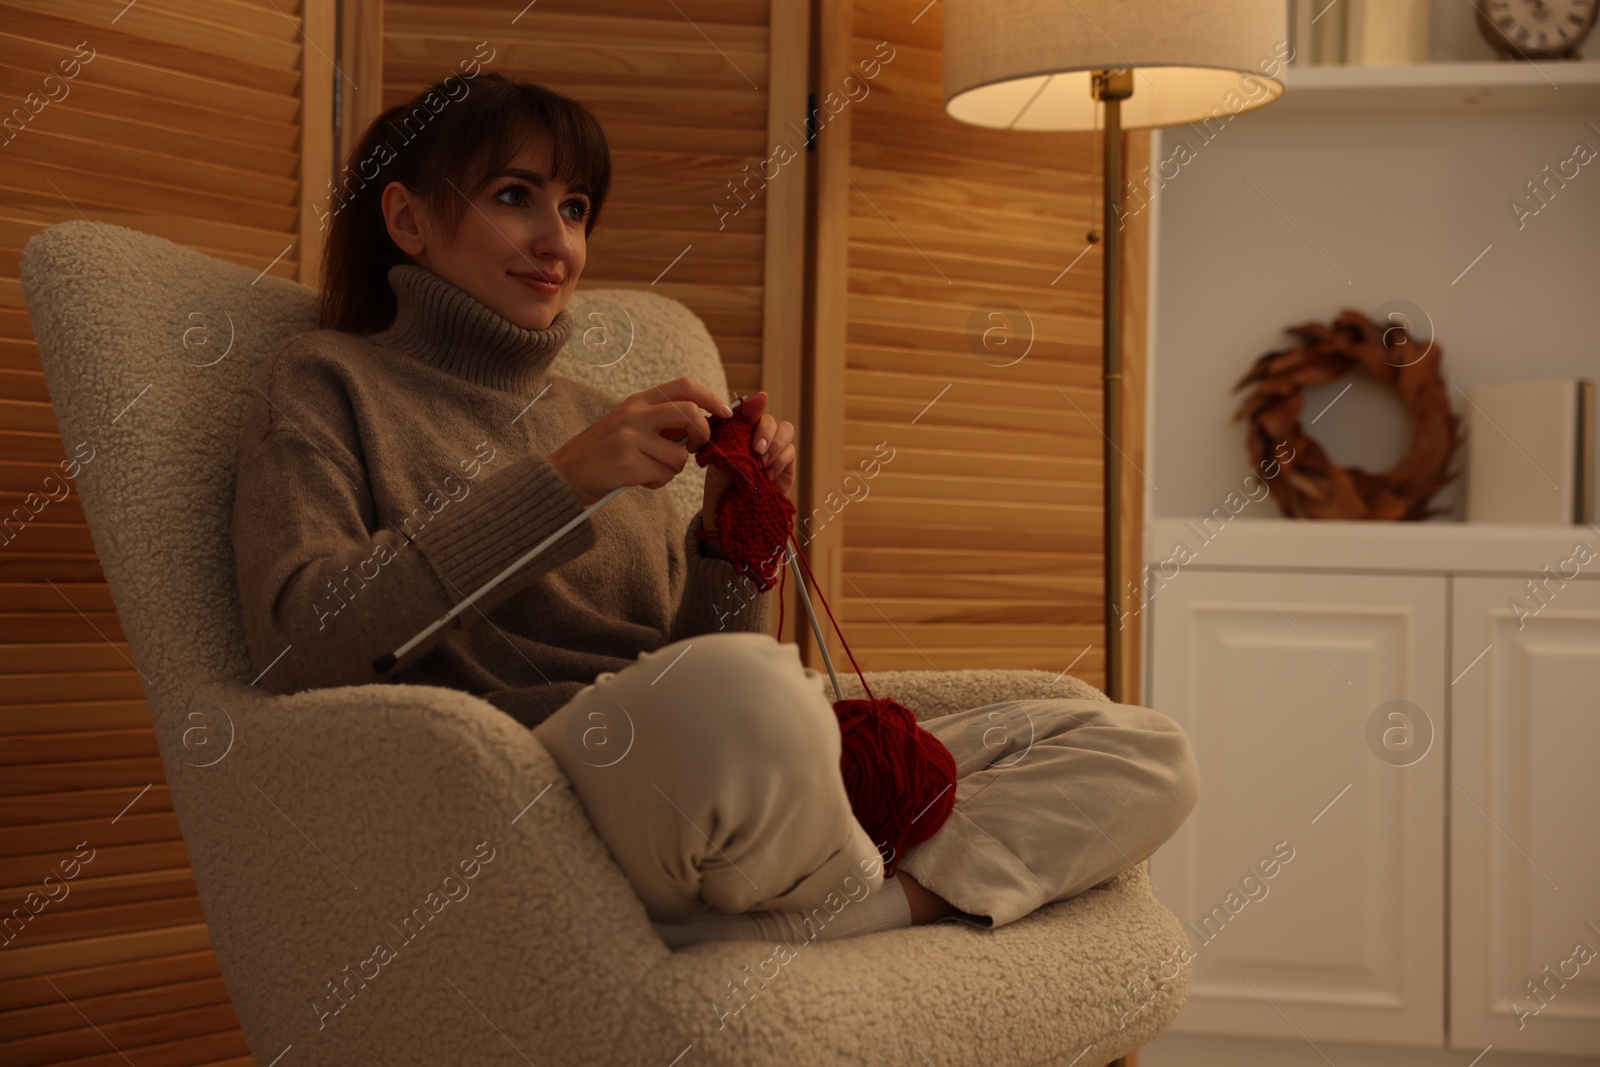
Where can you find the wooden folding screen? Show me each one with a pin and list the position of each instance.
(192, 120)
(195, 120)
(955, 484)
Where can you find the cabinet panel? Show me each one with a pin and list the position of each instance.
(1281, 680)
(1525, 816)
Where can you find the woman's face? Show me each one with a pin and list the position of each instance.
(520, 244)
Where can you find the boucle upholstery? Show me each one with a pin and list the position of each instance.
(323, 824)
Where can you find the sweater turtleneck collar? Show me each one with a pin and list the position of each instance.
(449, 328)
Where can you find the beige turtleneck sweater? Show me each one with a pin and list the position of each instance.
(384, 478)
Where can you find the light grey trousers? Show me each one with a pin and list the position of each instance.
(710, 767)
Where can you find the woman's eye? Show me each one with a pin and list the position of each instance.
(517, 196)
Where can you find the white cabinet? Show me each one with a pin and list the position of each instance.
(1525, 816)
(1371, 698)
(1276, 678)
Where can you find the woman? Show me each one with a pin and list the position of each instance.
(409, 450)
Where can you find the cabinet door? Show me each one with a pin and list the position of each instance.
(1525, 816)
(1315, 704)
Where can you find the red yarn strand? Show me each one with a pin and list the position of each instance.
(894, 771)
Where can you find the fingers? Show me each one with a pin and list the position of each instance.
(771, 440)
(677, 419)
(668, 457)
(690, 390)
(781, 465)
(754, 407)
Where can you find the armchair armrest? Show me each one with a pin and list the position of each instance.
(930, 694)
(408, 844)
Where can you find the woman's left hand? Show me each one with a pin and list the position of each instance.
(772, 440)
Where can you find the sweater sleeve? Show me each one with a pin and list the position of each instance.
(716, 596)
(324, 590)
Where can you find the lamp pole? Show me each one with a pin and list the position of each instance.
(1111, 87)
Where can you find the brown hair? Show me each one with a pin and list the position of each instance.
(452, 133)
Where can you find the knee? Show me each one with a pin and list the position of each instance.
(1174, 767)
(746, 695)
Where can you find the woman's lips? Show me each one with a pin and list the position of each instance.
(538, 285)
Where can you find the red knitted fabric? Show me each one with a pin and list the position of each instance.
(753, 518)
(900, 778)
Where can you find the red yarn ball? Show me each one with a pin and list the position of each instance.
(901, 779)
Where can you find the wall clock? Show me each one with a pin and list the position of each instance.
(1537, 29)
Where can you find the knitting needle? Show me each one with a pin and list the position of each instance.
(805, 600)
(385, 663)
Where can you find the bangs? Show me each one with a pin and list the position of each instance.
(487, 143)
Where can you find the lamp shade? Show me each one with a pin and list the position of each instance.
(1029, 64)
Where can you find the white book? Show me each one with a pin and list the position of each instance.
(1529, 450)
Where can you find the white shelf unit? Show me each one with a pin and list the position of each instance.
(1486, 87)
(1410, 921)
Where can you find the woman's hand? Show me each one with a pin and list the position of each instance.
(772, 440)
(636, 443)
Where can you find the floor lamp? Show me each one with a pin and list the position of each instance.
(1120, 64)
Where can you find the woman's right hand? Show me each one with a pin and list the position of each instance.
(636, 443)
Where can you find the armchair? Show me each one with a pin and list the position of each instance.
(322, 826)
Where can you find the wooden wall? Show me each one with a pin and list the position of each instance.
(188, 119)
(956, 465)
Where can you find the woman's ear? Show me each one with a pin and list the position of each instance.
(402, 215)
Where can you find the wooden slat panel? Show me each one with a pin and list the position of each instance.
(144, 163)
(88, 892)
(32, 961)
(97, 111)
(957, 636)
(942, 535)
(61, 925)
(1068, 368)
(1048, 566)
(39, 529)
(26, 386)
(221, 26)
(983, 439)
(36, 186)
(985, 490)
(902, 656)
(129, 60)
(48, 1018)
(214, 1036)
(241, 244)
(81, 685)
(85, 744)
(45, 720)
(41, 842)
(83, 803)
(139, 971)
(188, 123)
(63, 626)
(120, 859)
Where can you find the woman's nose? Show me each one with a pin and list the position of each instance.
(551, 237)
